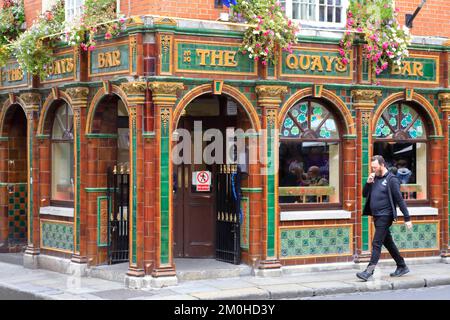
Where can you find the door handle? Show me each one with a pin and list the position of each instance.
(186, 177)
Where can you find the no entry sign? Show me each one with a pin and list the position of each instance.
(202, 180)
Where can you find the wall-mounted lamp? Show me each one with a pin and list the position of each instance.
(410, 17)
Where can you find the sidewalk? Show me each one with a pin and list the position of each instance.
(17, 282)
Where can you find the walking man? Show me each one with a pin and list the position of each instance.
(382, 191)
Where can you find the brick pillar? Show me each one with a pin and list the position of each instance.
(364, 102)
(32, 102)
(269, 100)
(135, 92)
(78, 97)
(445, 221)
(164, 96)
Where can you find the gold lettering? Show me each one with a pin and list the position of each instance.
(14, 75)
(70, 65)
(329, 60)
(406, 68)
(305, 65)
(230, 59)
(203, 54)
(418, 69)
(340, 67)
(396, 69)
(292, 64)
(116, 58)
(57, 67)
(316, 63)
(216, 56)
(101, 60)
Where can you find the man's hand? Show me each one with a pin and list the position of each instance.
(371, 178)
(409, 225)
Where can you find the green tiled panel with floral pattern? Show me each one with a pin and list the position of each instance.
(422, 236)
(17, 214)
(302, 242)
(57, 236)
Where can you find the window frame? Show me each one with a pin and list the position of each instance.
(53, 202)
(338, 121)
(316, 23)
(426, 141)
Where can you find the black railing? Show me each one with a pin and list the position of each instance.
(228, 214)
(118, 204)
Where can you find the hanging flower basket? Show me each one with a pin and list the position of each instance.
(268, 28)
(386, 43)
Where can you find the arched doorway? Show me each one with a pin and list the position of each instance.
(109, 132)
(203, 182)
(14, 176)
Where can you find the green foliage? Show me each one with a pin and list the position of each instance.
(32, 50)
(269, 29)
(386, 42)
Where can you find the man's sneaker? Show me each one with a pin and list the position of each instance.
(400, 271)
(365, 275)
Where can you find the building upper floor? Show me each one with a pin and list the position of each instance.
(433, 19)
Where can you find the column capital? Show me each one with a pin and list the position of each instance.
(165, 93)
(135, 92)
(365, 99)
(31, 100)
(270, 96)
(78, 95)
(445, 101)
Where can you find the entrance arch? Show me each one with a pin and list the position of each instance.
(13, 177)
(108, 131)
(200, 104)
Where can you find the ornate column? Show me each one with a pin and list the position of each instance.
(164, 96)
(135, 92)
(269, 100)
(364, 102)
(31, 101)
(445, 225)
(78, 97)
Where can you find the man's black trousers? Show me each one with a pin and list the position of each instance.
(383, 237)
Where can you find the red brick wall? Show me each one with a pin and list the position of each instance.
(432, 20)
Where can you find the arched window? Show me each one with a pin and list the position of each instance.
(309, 156)
(62, 179)
(401, 138)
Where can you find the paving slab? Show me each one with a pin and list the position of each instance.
(330, 287)
(232, 294)
(283, 291)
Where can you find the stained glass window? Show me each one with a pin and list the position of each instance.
(309, 156)
(400, 122)
(309, 120)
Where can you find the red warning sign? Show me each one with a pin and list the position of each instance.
(202, 180)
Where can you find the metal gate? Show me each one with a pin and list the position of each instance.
(118, 201)
(228, 199)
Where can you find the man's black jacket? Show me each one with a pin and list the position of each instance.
(395, 197)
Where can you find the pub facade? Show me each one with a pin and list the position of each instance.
(88, 175)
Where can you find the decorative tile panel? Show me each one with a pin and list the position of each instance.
(423, 236)
(102, 221)
(57, 235)
(300, 242)
(17, 214)
(245, 209)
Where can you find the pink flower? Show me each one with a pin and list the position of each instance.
(345, 61)
(397, 9)
(384, 66)
(378, 71)
(341, 52)
(378, 83)
(266, 33)
(108, 36)
(256, 58)
(264, 62)
(266, 50)
(359, 29)
(122, 20)
(258, 45)
(349, 14)
(91, 48)
(83, 46)
(385, 45)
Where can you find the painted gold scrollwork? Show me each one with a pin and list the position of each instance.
(165, 117)
(270, 95)
(271, 115)
(134, 88)
(78, 93)
(165, 43)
